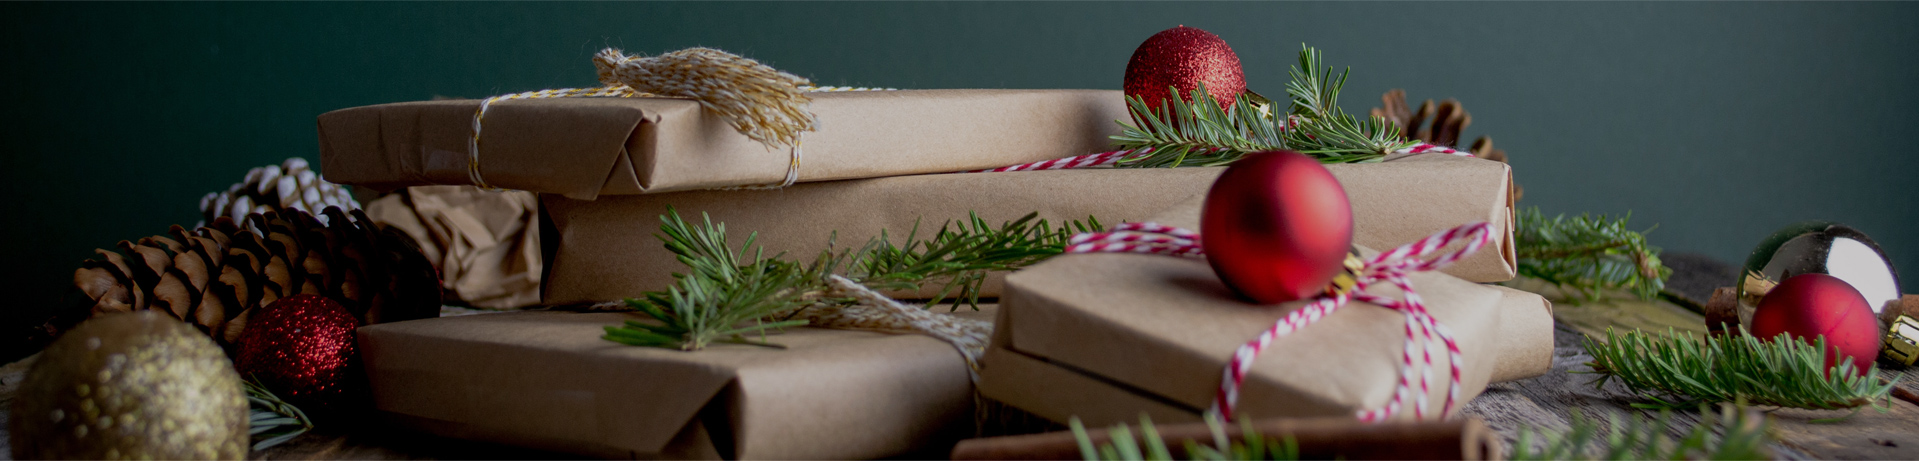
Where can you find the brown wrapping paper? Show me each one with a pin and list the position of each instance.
(1317, 438)
(546, 380)
(607, 249)
(587, 147)
(486, 244)
(1107, 336)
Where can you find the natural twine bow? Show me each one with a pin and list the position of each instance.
(763, 103)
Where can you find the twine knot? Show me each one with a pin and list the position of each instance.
(763, 103)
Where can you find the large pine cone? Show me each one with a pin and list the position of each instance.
(291, 185)
(215, 276)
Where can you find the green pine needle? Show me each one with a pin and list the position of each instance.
(1124, 446)
(724, 297)
(1734, 434)
(1588, 255)
(1678, 370)
(272, 421)
(1202, 133)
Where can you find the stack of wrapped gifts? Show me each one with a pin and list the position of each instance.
(1100, 337)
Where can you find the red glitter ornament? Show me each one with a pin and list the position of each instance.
(302, 348)
(1182, 57)
(1276, 226)
(1811, 305)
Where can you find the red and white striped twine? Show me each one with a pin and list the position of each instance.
(1391, 267)
(1112, 157)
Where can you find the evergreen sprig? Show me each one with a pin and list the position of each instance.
(1734, 434)
(272, 421)
(1588, 255)
(959, 255)
(1678, 370)
(1203, 133)
(721, 299)
(725, 298)
(1124, 446)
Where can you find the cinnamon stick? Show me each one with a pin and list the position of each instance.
(1318, 438)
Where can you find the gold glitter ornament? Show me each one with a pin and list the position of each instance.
(138, 385)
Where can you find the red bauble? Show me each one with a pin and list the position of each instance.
(1182, 57)
(302, 348)
(1276, 226)
(1812, 305)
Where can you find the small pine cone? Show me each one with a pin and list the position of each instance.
(215, 276)
(289, 185)
(1449, 119)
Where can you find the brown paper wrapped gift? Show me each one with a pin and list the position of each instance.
(1106, 337)
(588, 147)
(546, 380)
(607, 250)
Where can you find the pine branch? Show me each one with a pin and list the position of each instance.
(1197, 131)
(961, 255)
(1123, 446)
(272, 421)
(725, 298)
(1734, 434)
(1588, 255)
(722, 298)
(1677, 370)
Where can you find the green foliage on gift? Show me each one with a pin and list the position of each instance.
(1202, 133)
(725, 297)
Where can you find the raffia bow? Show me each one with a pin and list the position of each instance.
(761, 102)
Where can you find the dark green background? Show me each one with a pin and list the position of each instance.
(1717, 121)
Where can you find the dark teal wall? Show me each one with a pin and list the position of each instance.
(1716, 121)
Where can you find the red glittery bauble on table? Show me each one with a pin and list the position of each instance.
(302, 348)
(1182, 57)
(1812, 305)
(1276, 227)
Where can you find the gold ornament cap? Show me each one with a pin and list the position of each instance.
(1348, 278)
(1902, 341)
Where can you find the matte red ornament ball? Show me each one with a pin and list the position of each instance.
(302, 348)
(1812, 305)
(1276, 226)
(1182, 57)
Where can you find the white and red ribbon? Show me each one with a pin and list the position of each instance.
(1392, 267)
(1112, 157)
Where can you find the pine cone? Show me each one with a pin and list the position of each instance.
(289, 185)
(1449, 121)
(215, 276)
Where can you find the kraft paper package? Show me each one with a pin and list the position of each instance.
(584, 148)
(545, 380)
(1105, 337)
(607, 250)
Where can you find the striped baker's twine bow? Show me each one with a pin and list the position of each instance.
(761, 102)
(1391, 267)
(1112, 157)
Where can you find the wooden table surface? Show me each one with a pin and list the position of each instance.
(1546, 402)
